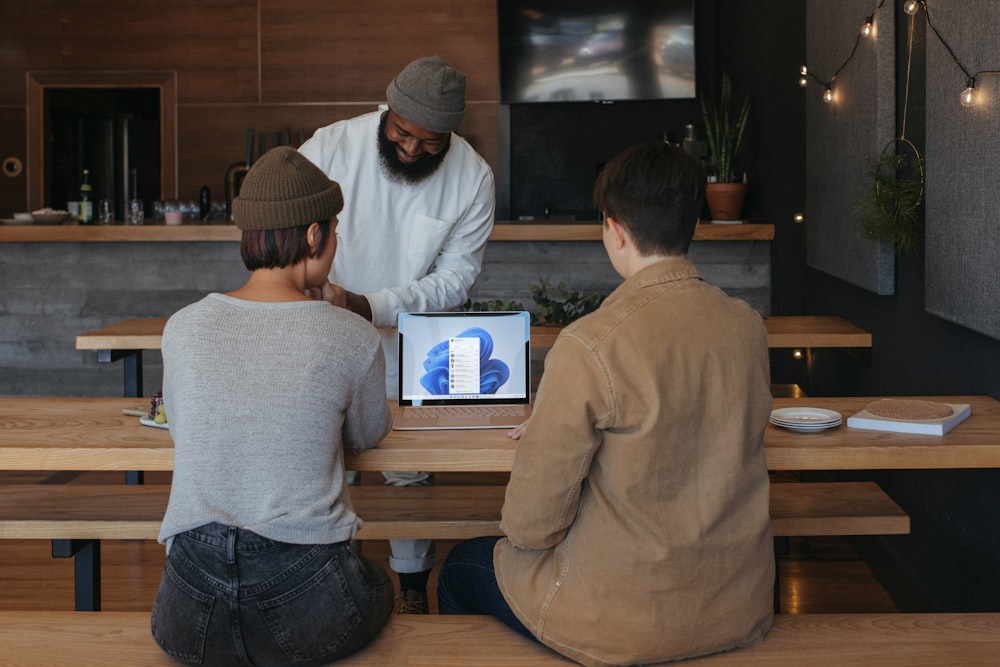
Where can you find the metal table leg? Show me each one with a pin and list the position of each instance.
(132, 381)
(86, 555)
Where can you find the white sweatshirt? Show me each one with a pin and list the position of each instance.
(406, 248)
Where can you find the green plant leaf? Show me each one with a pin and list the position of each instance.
(725, 128)
(892, 210)
(553, 305)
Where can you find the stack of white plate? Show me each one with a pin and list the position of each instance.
(805, 420)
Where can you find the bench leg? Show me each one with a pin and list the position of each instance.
(86, 555)
(780, 549)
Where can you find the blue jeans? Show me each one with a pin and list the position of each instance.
(467, 584)
(231, 597)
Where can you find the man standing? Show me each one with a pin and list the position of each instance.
(418, 209)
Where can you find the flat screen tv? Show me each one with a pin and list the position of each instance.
(595, 50)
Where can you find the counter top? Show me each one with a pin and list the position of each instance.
(502, 231)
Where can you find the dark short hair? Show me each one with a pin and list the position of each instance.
(278, 248)
(655, 191)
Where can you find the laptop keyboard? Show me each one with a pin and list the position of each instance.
(435, 411)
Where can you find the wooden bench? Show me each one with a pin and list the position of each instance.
(61, 639)
(76, 516)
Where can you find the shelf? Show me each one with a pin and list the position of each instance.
(502, 231)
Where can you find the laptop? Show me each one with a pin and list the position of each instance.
(463, 370)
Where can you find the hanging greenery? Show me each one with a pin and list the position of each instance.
(893, 209)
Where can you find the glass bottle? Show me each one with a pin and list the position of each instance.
(86, 215)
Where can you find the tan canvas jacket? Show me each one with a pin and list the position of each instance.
(636, 517)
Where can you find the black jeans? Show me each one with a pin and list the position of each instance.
(231, 597)
(467, 584)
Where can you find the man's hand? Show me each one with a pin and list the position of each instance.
(333, 294)
(338, 296)
(359, 304)
(515, 433)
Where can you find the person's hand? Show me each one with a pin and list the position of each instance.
(340, 297)
(334, 294)
(515, 433)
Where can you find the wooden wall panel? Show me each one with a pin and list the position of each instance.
(211, 43)
(316, 50)
(265, 64)
(211, 137)
(13, 189)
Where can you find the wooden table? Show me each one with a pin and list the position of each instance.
(126, 340)
(92, 434)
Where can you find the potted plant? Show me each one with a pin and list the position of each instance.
(724, 128)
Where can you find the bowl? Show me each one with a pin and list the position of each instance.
(23, 217)
(50, 217)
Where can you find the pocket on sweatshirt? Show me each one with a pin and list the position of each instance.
(427, 237)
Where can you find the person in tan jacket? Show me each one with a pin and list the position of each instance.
(636, 517)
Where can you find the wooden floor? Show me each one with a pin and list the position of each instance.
(819, 575)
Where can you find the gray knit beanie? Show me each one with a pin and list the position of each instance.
(430, 93)
(284, 189)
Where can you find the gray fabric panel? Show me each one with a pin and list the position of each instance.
(963, 146)
(843, 138)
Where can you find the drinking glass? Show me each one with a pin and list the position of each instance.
(135, 212)
(105, 212)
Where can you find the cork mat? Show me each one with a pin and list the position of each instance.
(908, 408)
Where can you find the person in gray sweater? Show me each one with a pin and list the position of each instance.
(263, 388)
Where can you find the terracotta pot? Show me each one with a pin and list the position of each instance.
(725, 200)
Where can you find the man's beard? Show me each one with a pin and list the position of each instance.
(401, 172)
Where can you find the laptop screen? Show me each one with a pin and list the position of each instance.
(464, 358)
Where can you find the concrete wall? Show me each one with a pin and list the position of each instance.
(51, 292)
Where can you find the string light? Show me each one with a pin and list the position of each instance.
(799, 218)
(868, 29)
(968, 97)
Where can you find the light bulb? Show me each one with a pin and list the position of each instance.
(797, 354)
(868, 28)
(799, 217)
(911, 7)
(803, 70)
(803, 81)
(828, 95)
(968, 96)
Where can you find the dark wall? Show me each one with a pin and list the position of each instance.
(556, 149)
(950, 559)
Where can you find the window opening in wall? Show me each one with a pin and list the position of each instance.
(121, 126)
(112, 132)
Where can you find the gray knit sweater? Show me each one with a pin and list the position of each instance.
(261, 399)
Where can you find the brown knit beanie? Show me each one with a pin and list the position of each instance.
(430, 93)
(284, 189)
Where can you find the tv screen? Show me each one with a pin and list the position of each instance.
(595, 50)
